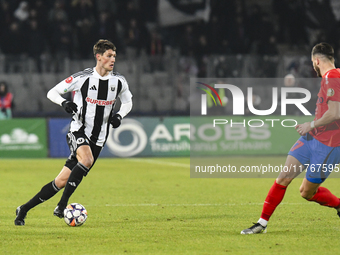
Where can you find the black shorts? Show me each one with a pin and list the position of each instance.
(74, 141)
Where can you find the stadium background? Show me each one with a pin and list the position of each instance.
(161, 45)
(151, 205)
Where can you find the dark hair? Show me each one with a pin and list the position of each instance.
(324, 49)
(103, 45)
(3, 83)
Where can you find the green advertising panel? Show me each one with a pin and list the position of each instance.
(23, 138)
(223, 136)
(170, 136)
(202, 136)
(215, 139)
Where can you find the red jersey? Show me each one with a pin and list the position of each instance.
(330, 90)
(6, 101)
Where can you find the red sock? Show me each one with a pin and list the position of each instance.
(324, 197)
(273, 199)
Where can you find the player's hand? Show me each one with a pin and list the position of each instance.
(116, 120)
(69, 106)
(304, 128)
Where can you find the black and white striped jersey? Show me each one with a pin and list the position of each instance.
(95, 97)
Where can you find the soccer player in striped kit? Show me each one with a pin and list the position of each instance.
(95, 93)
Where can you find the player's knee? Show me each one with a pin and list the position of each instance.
(305, 193)
(60, 182)
(87, 161)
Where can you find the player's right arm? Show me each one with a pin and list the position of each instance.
(61, 88)
(67, 85)
(332, 114)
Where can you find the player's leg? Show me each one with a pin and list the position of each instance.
(79, 147)
(321, 195)
(292, 168)
(86, 155)
(61, 179)
(317, 173)
(297, 157)
(46, 192)
(277, 191)
(85, 162)
(308, 189)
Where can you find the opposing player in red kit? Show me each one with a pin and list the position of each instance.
(318, 148)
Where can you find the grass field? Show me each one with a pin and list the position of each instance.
(152, 206)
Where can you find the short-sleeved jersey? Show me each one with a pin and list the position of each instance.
(95, 97)
(330, 90)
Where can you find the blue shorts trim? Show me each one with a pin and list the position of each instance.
(319, 159)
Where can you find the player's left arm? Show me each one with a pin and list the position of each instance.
(125, 109)
(333, 103)
(125, 97)
(332, 114)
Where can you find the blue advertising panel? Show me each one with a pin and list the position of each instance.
(58, 129)
(139, 137)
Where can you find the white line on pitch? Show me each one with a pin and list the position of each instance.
(152, 161)
(179, 205)
(196, 205)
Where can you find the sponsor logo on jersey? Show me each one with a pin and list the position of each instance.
(93, 88)
(100, 102)
(330, 92)
(113, 89)
(80, 140)
(69, 79)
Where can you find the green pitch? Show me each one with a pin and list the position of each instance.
(151, 206)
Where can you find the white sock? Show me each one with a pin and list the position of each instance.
(263, 222)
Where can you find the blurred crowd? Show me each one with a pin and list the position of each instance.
(64, 28)
(241, 38)
(69, 28)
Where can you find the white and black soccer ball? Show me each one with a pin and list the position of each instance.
(75, 215)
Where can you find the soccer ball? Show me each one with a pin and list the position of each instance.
(75, 215)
